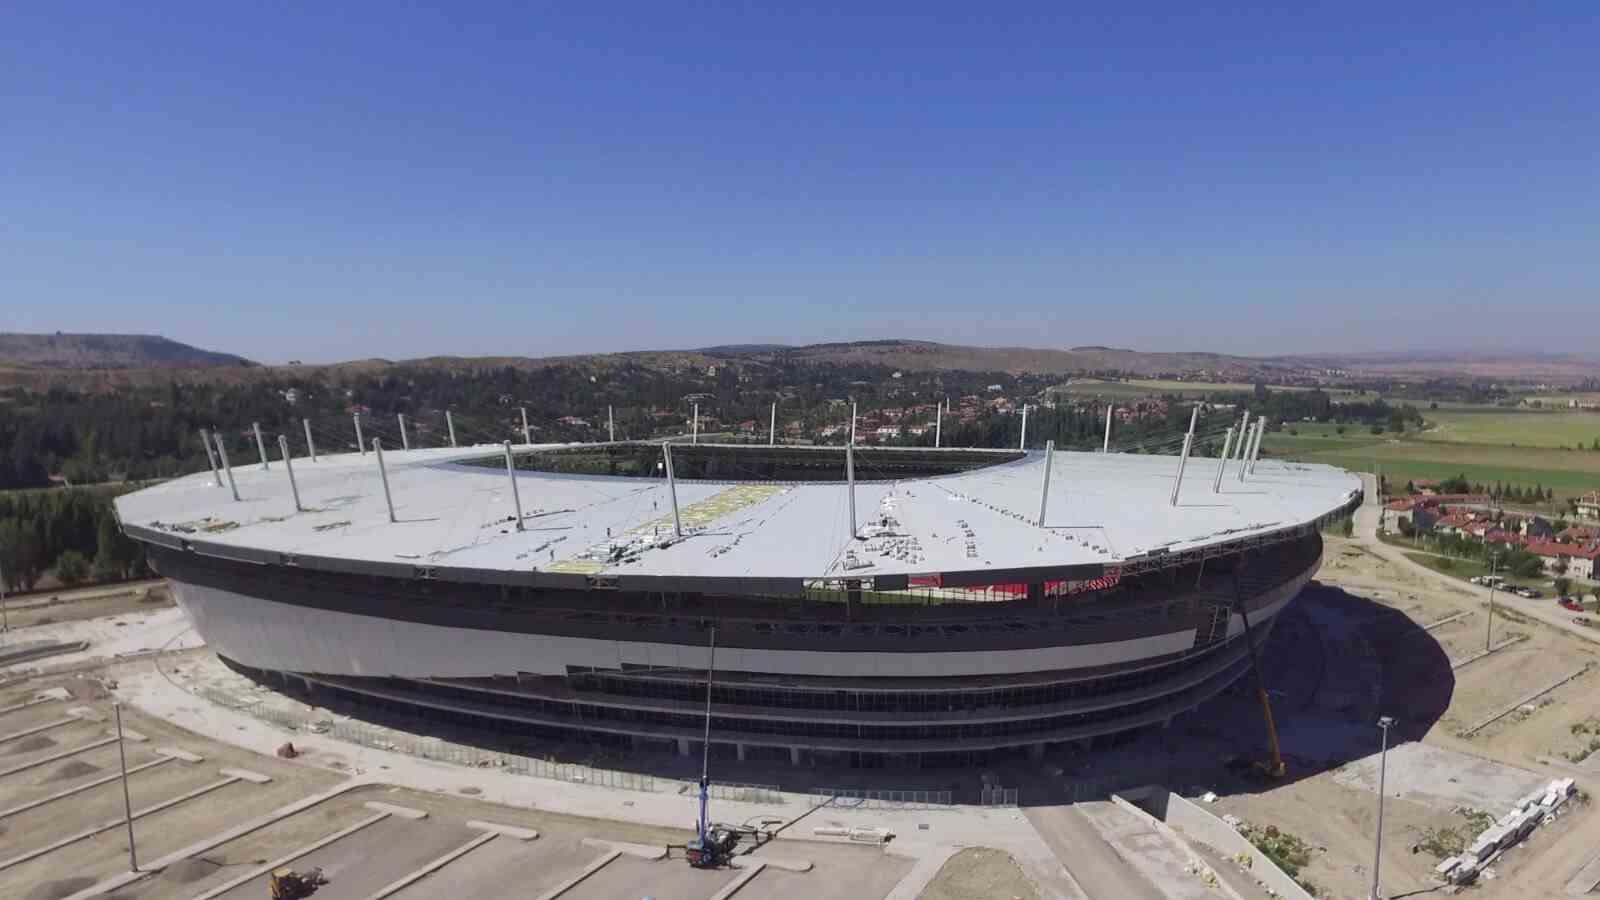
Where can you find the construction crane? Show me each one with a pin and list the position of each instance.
(713, 845)
(1274, 767)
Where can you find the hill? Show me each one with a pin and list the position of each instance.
(107, 351)
(926, 355)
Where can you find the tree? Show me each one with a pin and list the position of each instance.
(72, 568)
(1563, 585)
(1406, 527)
(21, 553)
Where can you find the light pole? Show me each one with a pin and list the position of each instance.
(1488, 627)
(1384, 722)
(127, 803)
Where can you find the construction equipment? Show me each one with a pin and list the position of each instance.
(287, 884)
(713, 844)
(1273, 768)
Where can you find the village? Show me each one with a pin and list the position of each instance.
(1471, 535)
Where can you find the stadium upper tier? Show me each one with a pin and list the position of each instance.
(765, 522)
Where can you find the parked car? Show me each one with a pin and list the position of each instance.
(1529, 593)
(1572, 604)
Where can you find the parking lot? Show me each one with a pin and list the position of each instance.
(211, 821)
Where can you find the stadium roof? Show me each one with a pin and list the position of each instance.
(455, 520)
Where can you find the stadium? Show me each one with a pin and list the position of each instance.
(868, 607)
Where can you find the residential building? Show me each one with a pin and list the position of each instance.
(1589, 505)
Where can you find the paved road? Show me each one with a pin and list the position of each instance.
(1544, 609)
(1086, 854)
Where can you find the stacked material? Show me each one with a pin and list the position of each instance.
(1512, 828)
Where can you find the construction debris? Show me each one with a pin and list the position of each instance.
(1510, 829)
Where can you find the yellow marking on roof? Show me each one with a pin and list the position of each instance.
(696, 515)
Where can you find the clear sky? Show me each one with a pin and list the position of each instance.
(337, 180)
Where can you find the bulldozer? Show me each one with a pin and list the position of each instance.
(287, 884)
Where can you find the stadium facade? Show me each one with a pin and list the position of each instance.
(944, 604)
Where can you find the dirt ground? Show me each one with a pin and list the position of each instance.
(39, 609)
(980, 872)
(1420, 675)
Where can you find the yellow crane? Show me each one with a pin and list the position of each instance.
(1273, 768)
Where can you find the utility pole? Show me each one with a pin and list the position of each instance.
(611, 424)
(127, 802)
(1385, 723)
(938, 425)
(5, 624)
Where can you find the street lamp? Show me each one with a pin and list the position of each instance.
(1488, 627)
(1384, 722)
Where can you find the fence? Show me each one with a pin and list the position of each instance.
(997, 796)
(851, 798)
(739, 791)
(435, 749)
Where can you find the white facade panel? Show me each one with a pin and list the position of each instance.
(281, 636)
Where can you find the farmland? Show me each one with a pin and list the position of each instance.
(1094, 387)
(1486, 445)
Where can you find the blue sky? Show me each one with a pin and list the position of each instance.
(334, 181)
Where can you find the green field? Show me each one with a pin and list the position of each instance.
(1512, 427)
(1484, 444)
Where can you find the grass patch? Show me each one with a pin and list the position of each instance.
(1287, 851)
(1453, 840)
(1512, 427)
(1463, 569)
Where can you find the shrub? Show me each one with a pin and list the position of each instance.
(71, 567)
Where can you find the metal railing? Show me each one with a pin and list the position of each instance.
(739, 791)
(853, 798)
(997, 796)
(433, 748)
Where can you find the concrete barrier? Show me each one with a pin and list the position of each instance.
(1196, 824)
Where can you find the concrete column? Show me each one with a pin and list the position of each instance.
(794, 756)
(740, 749)
(683, 746)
